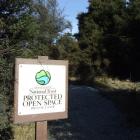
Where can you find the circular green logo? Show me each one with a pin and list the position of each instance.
(43, 77)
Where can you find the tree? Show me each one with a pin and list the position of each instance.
(17, 26)
(17, 31)
(89, 37)
(51, 25)
(69, 50)
(103, 37)
(27, 29)
(133, 38)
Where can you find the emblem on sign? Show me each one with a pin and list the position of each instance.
(43, 77)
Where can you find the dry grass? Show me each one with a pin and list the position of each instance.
(24, 132)
(118, 84)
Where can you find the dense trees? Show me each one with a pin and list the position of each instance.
(133, 35)
(28, 28)
(69, 50)
(108, 36)
(51, 24)
(16, 32)
(17, 24)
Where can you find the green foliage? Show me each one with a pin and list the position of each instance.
(69, 50)
(133, 38)
(109, 37)
(15, 23)
(27, 29)
(6, 96)
(51, 24)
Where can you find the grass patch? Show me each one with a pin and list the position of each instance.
(24, 132)
(125, 95)
(116, 84)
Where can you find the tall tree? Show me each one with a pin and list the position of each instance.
(17, 30)
(133, 38)
(102, 36)
(51, 24)
(69, 50)
(16, 24)
(27, 29)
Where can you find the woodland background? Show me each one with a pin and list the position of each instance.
(107, 44)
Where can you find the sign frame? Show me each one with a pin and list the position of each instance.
(44, 116)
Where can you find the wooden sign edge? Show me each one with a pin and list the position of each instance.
(44, 116)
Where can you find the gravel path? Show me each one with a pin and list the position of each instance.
(93, 117)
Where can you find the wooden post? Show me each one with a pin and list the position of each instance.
(41, 130)
(22, 67)
(41, 127)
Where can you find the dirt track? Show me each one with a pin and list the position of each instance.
(92, 117)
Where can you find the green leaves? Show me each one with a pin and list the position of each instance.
(108, 36)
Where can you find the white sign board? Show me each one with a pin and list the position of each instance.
(41, 88)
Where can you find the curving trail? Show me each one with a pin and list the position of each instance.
(92, 117)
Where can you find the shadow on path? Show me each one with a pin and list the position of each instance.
(92, 117)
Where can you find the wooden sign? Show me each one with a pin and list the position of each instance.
(41, 88)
